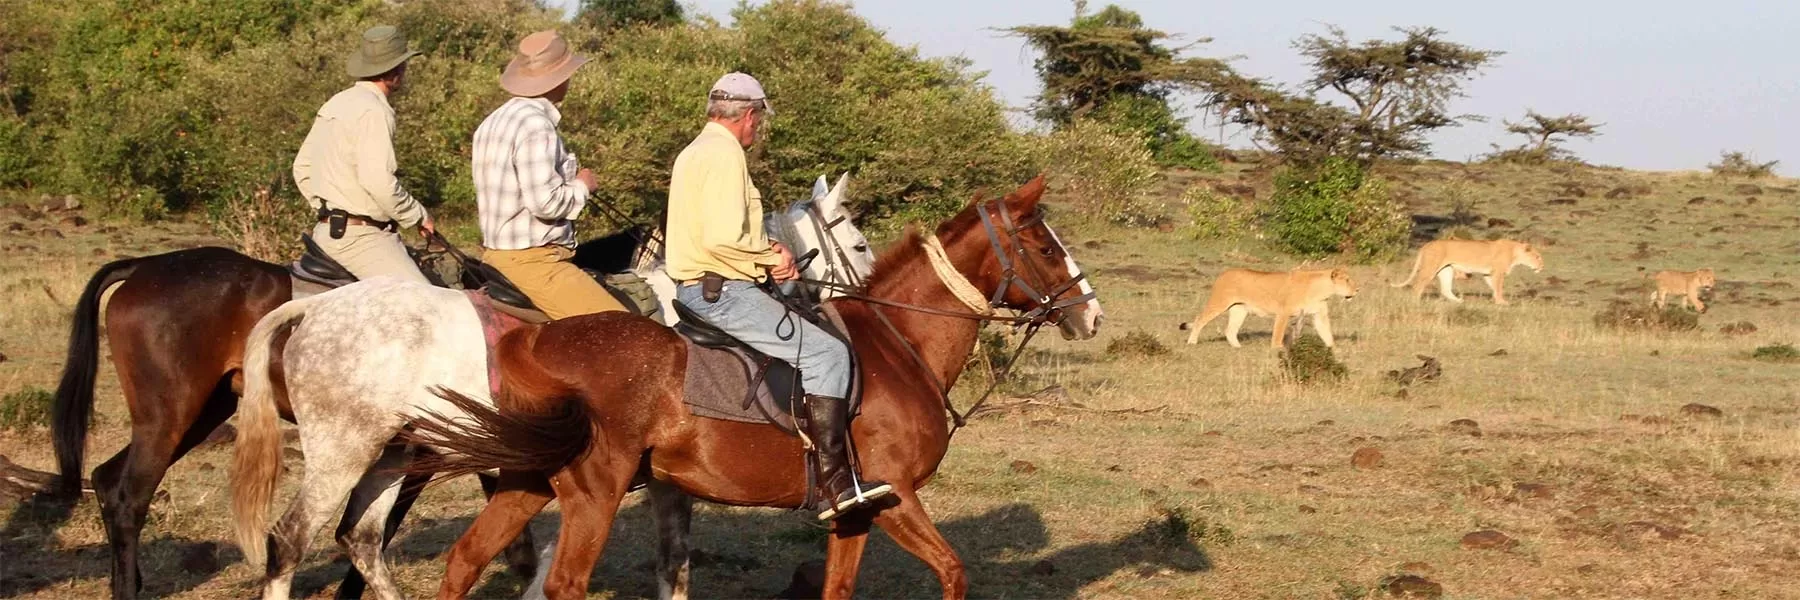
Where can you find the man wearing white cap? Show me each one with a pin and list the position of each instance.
(345, 168)
(717, 251)
(529, 188)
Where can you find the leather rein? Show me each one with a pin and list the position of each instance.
(1047, 308)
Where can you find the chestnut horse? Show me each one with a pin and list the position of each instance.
(596, 401)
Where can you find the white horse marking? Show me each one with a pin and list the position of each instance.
(1093, 304)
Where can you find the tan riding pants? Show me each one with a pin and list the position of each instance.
(555, 285)
(369, 252)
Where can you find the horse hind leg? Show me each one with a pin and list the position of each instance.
(517, 498)
(912, 529)
(126, 483)
(522, 553)
(590, 492)
(363, 531)
(336, 461)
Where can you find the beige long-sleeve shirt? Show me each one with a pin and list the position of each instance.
(715, 212)
(347, 160)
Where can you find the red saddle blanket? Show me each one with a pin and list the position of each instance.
(494, 324)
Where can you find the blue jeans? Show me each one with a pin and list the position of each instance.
(751, 316)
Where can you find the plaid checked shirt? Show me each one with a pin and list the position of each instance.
(525, 187)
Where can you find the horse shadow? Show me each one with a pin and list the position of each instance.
(764, 553)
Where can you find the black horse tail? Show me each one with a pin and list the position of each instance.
(74, 404)
(539, 424)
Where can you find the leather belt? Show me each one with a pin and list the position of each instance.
(366, 222)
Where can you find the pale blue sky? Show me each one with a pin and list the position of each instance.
(1673, 82)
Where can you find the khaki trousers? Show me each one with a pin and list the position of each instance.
(369, 252)
(555, 285)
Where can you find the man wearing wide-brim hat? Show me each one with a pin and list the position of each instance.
(528, 186)
(345, 168)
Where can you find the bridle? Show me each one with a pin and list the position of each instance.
(1046, 309)
(837, 261)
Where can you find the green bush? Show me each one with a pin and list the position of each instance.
(1309, 360)
(1782, 353)
(1165, 134)
(25, 409)
(1138, 343)
(1740, 164)
(1335, 207)
(1624, 315)
(1217, 216)
(1104, 173)
(146, 107)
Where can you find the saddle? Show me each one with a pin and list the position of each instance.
(315, 271)
(728, 380)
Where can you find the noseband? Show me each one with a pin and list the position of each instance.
(1048, 308)
(837, 261)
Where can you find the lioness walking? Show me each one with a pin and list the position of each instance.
(1687, 284)
(1284, 295)
(1492, 259)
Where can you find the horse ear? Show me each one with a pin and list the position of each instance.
(819, 188)
(1027, 196)
(834, 199)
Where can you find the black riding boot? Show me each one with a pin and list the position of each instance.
(827, 424)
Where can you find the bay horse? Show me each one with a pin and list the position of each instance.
(354, 366)
(596, 402)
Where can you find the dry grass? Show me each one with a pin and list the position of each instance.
(1242, 486)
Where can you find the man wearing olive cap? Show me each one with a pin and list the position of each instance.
(528, 187)
(717, 251)
(345, 168)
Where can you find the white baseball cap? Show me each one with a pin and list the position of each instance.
(739, 86)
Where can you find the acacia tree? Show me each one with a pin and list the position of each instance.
(1111, 67)
(1545, 136)
(1397, 90)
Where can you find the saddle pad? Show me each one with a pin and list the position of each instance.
(718, 381)
(494, 323)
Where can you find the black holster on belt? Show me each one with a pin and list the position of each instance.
(711, 285)
(336, 221)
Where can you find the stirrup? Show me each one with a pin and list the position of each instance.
(862, 495)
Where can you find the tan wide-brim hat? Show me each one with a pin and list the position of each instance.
(383, 48)
(543, 62)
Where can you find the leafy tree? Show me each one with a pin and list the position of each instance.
(1111, 67)
(1397, 90)
(1740, 164)
(1545, 135)
(613, 14)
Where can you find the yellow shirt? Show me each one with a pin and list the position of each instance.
(715, 212)
(347, 160)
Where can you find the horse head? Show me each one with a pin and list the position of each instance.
(1028, 268)
(823, 223)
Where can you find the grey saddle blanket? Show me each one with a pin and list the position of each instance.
(718, 382)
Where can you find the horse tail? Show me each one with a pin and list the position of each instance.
(1418, 262)
(256, 461)
(74, 404)
(539, 424)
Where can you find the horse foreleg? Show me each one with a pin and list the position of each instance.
(517, 498)
(843, 555)
(912, 529)
(362, 533)
(674, 512)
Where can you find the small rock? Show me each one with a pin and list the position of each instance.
(1412, 586)
(201, 558)
(1326, 423)
(1466, 427)
(1115, 469)
(1617, 193)
(1402, 394)
(2, 357)
(1488, 539)
(1587, 569)
(1091, 244)
(1500, 352)
(1747, 189)
(51, 233)
(1366, 457)
(1200, 483)
(1307, 510)
(1701, 410)
(1311, 489)
(1494, 222)
(1536, 491)
(98, 252)
(1023, 467)
(1562, 202)
(1656, 353)
(1042, 568)
(71, 203)
(1588, 511)
(1738, 328)
(1213, 433)
(1696, 200)
(15, 227)
(72, 221)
